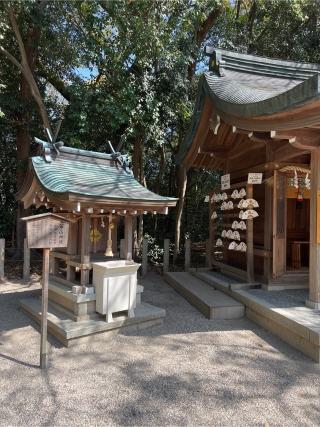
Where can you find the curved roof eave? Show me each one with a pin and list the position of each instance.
(306, 91)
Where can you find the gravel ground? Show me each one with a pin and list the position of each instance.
(188, 371)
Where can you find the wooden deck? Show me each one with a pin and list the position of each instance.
(282, 312)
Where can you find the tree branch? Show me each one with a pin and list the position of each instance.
(11, 58)
(27, 73)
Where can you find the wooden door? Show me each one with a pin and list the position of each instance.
(279, 224)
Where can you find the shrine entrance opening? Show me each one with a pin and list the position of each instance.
(291, 225)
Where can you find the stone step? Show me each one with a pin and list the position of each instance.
(68, 332)
(224, 283)
(212, 303)
(81, 306)
(63, 281)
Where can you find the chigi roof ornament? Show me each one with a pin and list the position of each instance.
(216, 62)
(49, 146)
(122, 159)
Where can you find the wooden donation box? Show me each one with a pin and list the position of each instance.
(115, 284)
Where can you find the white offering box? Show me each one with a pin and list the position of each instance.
(115, 283)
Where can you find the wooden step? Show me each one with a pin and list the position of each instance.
(212, 303)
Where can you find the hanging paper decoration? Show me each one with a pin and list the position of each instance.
(295, 179)
(307, 182)
(236, 235)
(224, 233)
(241, 214)
(250, 204)
(242, 247)
(230, 205)
(240, 204)
(214, 215)
(229, 234)
(232, 246)
(235, 225)
(224, 206)
(242, 193)
(235, 194)
(250, 214)
(224, 196)
(219, 242)
(242, 225)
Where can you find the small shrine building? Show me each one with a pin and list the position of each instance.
(256, 115)
(97, 191)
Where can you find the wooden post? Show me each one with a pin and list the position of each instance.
(128, 237)
(314, 263)
(268, 227)
(44, 309)
(94, 228)
(26, 261)
(250, 255)
(187, 254)
(122, 248)
(208, 253)
(85, 248)
(144, 257)
(2, 248)
(166, 255)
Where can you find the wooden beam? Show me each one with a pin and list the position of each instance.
(242, 131)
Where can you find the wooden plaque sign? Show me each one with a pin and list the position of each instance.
(254, 178)
(47, 231)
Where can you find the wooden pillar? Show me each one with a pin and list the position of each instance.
(250, 255)
(26, 261)
(166, 255)
(2, 248)
(128, 237)
(122, 248)
(314, 262)
(114, 236)
(187, 254)
(144, 257)
(268, 227)
(85, 248)
(44, 309)
(208, 253)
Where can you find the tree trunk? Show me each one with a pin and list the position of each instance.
(181, 187)
(138, 172)
(199, 37)
(161, 169)
(22, 134)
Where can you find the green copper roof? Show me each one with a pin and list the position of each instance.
(248, 86)
(91, 176)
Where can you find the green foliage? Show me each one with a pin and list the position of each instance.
(139, 54)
